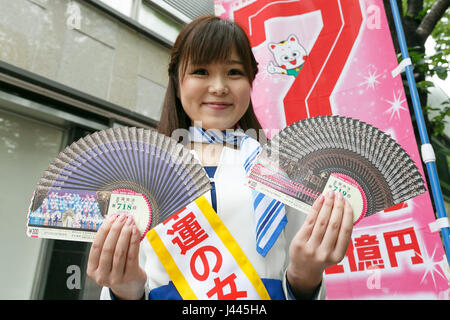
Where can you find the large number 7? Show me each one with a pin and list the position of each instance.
(310, 93)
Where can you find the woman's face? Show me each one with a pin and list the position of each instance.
(217, 94)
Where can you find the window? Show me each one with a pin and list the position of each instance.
(123, 6)
(26, 148)
(189, 9)
(161, 24)
(163, 18)
(32, 133)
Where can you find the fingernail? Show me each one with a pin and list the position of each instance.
(122, 217)
(129, 220)
(330, 194)
(339, 196)
(320, 198)
(111, 217)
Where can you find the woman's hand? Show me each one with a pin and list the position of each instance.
(114, 258)
(321, 242)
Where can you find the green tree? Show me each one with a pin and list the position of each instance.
(422, 19)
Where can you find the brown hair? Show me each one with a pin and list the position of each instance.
(206, 40)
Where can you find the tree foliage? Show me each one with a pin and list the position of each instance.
(422, 19)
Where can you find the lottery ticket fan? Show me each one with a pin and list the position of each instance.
(309, 157)
(115, 171)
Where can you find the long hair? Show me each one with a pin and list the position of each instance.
(206, 40)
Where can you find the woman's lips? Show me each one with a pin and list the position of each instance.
(217, 105)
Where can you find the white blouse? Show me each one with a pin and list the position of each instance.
(235, 209)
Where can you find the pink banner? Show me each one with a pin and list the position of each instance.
(323, 57)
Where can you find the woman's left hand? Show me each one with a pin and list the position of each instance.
(321, 242)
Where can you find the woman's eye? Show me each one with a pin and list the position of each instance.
(200, 72)
(235, 72)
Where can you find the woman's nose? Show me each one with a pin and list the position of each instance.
(218, 86)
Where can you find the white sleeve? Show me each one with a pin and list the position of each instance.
(320, 294)
(105, 294)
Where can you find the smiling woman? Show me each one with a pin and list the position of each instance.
(211, 71)
(215, 55)
(217, 94)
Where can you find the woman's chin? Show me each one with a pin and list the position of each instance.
(214, 125)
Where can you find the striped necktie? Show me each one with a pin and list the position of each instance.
(270, 216)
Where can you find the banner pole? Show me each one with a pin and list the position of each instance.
(427, 150)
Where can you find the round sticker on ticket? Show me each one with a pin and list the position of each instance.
(351, 191)
(128, 202)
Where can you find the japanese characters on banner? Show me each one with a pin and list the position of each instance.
(184, 243)
(324, 57)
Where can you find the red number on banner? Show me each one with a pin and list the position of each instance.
(309, 95)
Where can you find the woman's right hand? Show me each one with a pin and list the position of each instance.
(114, 258)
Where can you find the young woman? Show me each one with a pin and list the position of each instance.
(210, 80)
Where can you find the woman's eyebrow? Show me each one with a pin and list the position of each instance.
(227, 62)
(234, 62)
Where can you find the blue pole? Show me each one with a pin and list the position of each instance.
(431, 165)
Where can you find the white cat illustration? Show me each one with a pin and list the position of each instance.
(289, 56)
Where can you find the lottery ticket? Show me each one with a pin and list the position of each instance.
(346, 155)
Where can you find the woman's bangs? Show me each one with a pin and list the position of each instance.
(210, 46)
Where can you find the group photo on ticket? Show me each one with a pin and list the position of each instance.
(226, 150)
